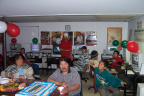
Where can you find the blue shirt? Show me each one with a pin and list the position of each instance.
(20, 70)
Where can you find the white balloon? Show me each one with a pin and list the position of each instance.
(58, 40)
(3, 27)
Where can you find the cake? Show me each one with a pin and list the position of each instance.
(37, 88)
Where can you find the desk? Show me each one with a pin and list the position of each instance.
(132, 79)
(29, 81)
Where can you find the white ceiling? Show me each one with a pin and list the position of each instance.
(70, 10)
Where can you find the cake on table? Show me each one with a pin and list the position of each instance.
(37, 88)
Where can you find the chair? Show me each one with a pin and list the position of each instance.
(92, 75)
(82, 78)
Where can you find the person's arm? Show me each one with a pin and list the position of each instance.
(29, 72)
(113, 80)
(85, 68)
(72, 88)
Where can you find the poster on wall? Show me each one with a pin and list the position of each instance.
(79, 37)
(70, 35)
(114, 33)
(55, 35)
(45, 37)
(139, 35)
(91, 38)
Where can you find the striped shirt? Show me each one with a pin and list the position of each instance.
(82, 61)
(27, 71)
(72, 78)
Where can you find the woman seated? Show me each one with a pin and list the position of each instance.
(18, 70)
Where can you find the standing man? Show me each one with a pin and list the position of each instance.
(66, 47)
(67, 77)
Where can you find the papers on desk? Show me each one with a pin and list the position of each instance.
(130, 72)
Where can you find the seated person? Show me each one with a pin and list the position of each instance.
(79, 38)
(116, 60)
(83, 61)
(34, 66)
(93, 61)
(68, 77)
(105, 81)
(18, 70)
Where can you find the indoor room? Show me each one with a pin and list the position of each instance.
(36, 34)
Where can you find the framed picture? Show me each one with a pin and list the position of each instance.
(79, 38)
(114, 33)
(54, 36)
(45, 37)
(91, 38)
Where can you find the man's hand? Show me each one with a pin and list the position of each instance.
(64, 84)
(122, 83)
(65, 90)
(11, 75)
(71, 58)
(21, 77)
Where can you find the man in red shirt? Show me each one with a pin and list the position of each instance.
(66, 47)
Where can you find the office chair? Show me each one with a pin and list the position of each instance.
(83, 78)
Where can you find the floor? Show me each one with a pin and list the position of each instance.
(85, 86)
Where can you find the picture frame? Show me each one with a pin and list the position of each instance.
(114, 33)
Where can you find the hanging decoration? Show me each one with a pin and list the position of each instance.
(13, 30)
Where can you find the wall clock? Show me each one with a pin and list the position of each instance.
(67, 27)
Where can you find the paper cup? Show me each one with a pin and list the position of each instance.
(60, 89)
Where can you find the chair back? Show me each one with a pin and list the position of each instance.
(91, 71)
(94, 82)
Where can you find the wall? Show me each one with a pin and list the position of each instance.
(132, 25)
(99, 27)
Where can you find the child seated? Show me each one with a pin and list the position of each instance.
(93, 61)
(116, 60)
(105, 81)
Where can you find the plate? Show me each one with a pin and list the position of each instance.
(4, 80)
(9, 87)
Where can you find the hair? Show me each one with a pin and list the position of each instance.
(64, 58)
(23, 49)
(16, 57)
(106, 63)
(10, 61)
(94, 54)
(116, 51)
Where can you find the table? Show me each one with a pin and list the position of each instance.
(29, 81)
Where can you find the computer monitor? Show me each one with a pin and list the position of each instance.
(15, 47)
(137, 59)
(35, 47)
(56, 49)
(110, 49)
(78, 49)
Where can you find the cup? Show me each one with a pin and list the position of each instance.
(60, 89)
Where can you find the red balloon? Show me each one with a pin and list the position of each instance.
(132, 46)
(13, 30)
(13, 40)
